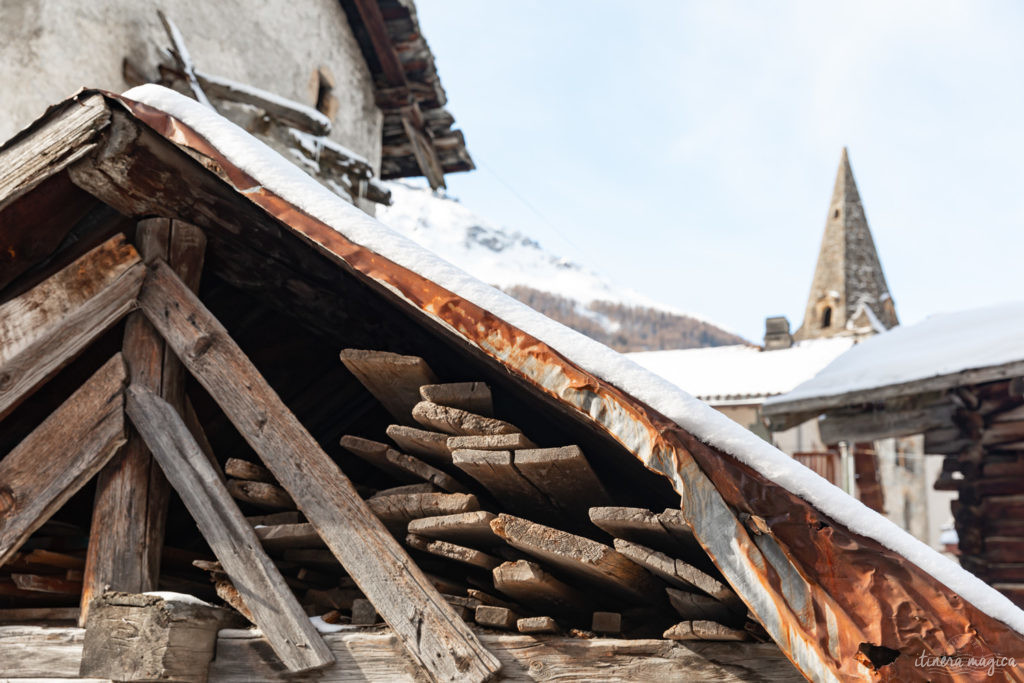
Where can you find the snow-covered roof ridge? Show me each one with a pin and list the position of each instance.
(942, 344)
(287, 181)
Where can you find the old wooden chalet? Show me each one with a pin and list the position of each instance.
(229, 398)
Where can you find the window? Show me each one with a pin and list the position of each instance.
(826, 317)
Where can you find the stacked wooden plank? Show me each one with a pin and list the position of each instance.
(984, 463)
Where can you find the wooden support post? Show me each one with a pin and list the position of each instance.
(232, 539)
(431, 631)
(135, 637)
(46, 327)
(130, 509)
(77, 440)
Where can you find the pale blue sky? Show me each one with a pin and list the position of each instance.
(689, 148)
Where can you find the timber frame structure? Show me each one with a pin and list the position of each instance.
(109, 211)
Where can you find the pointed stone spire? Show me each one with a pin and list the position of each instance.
(848, 294)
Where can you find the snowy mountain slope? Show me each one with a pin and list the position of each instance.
(566, 291)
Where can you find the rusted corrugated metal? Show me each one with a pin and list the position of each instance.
(829, 597)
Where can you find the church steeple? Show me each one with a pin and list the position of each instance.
(848, 294)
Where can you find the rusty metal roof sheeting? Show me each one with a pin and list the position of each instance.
(841, 605)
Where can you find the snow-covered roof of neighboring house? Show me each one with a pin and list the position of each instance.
(944, 350)
(742, 374)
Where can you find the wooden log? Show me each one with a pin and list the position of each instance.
(27, 161)
(431, 631)
(606, 622)
(704, 630)
(458, 422)
(489, 442)
(243, 656)
(249, 471)
(697, 606)
(136, 637)
(56, 585)
(78, 439)
(580, 556)
(393, 379)
(871, 426)
(529, 584)
(1002, 433)
(260, 494)
(274, 518)
(46, 327)
(399, 464)
(232, 539)
(465, 528)
(564, 476)
(537, 625)
(678, 573)
(404, 490)
(402, 509)
(430, 445)
(473, 397)
(284, 536)
(363, 612)
(130, 508)
(496, 617)
(451, 551)
(496, 472)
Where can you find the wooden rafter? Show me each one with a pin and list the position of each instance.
(78, 439)
(431, 631)
(47, 326)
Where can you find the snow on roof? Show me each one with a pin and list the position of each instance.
(742, 374)
(287, 181)
(942, 344)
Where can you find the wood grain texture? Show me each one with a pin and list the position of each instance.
(400, 509)
(529, 584)
(34, 652)
(698, 606)
(263, 589)
(582, 557)
(78, 439)
(678, 573)
(46, 327)
(459, 422)
(249, 471)
(452, 551)
(400, 465)
(130, 509)
(473, 397)
(704, 630)
(564, 476)
(431, 631)
(489, 442)
(260, 494)
(465, 528)
(496, 472)
(393, 379)
(285, 536)
(422, 442)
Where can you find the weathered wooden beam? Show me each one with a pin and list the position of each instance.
(431, 631)
(564, 476)
(422, 442)
(393, 379)
(489, 442)
(704, 630)
(870, 426)
(130, 508)
(46, 148)
(466, 528)
(496, 617)
(537, 625)
(284, 536)
(292, 114)
(400, 509)
(403, 466)
(452, 551)
(47, 326)
(77, 440)
(230, 536)
(135, 637)
(495, 471)
(459, 422)
(678, 573)
(249, 471)
(698, 606)
(581, 557)
(423, 150)
(473, 397)
(260, 494)
(528, 583)
(243, 657)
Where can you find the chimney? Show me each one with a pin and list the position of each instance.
(776, 333)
